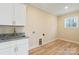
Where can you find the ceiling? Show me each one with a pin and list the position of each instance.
(57, 8)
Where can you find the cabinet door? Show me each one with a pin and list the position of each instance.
(22, 46)
(8, 48)
(20, 14)
(8, 51)
(6, 14)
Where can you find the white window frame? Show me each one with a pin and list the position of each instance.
(77, 22)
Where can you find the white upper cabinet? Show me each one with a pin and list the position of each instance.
(20, 14)
(6, 14)
(12, 14)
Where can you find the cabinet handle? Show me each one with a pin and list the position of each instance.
(16, 49)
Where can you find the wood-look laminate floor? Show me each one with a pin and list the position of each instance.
(58, 47)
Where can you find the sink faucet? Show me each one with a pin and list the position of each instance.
(14, 32)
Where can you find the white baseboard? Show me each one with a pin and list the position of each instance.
(54, 40)
(69, 40)
(41, 45)
(49, 41)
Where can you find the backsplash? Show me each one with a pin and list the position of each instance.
(7, 29)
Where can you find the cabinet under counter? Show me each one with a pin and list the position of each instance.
(14, 47)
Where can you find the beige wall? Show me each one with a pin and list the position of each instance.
(40, 22)
(67, 33)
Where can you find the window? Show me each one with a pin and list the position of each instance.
(71, 22)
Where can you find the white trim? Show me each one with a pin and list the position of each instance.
(49, 41)
(68, 18)
(54, 40)
(69, 40)
(42, 44)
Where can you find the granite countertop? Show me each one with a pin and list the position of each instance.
(10, 37)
